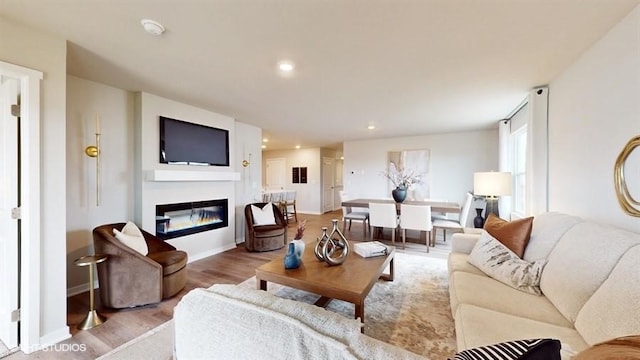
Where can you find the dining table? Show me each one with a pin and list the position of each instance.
(436, 205)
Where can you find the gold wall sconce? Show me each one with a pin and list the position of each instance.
(246, 163)
(630, 205)
(93, 151)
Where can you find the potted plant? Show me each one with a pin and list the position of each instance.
(402, 179)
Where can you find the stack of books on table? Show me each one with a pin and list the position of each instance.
(370, 249)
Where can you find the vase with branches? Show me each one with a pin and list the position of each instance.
(402, 179)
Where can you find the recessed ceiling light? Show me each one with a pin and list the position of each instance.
(152, 27)
(297, 146)
(286, 66)
(264, 146)
(265, 140)
(371, 127)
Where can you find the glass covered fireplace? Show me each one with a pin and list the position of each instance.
(175, 220)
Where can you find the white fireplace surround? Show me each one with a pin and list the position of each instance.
(165, 183)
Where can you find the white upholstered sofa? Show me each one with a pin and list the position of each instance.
(232, 322)
(590, 285)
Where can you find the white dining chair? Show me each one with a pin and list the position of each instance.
(416, 217)
(446, 224)
(349, 214)
(383, 216)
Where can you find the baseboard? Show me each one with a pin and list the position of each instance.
(211, 252)
(78, 289)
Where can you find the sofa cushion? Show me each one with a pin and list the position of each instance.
(132, 237)
(614, 309)
(483, 291)
(476, 326)
(580, 262)
(528, 349)
(458, 262)
(263, 216)
(547, 229)
(513, 234)
(497, 261)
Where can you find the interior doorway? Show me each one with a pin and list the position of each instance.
(328, 184)
(25, 263)
(275, 174)
(9, 210)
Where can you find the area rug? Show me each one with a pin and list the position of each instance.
(411, 312)
(155, 344)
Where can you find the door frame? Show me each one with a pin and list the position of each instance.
(29, 333)
(328, 200)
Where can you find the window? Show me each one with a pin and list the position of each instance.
(519, 146)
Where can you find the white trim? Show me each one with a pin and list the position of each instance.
(30, 203)
(211, 252)
(186, 175)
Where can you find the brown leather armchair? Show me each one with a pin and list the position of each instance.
(129, 278)
(264, 237)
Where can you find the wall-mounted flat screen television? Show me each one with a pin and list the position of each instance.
(187, 143)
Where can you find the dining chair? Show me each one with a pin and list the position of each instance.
(383, 216)
(289, 205)
(416, 217)
(349, 214)
(452, 224)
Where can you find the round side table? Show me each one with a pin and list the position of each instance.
(92, 319)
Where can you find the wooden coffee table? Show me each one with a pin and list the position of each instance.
(349, 282)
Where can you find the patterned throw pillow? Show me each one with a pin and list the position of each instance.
(534, 349)
(513, 234)
(497, 261)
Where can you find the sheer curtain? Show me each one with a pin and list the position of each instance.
(530, 116)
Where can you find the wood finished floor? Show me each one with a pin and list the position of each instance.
(231, 267)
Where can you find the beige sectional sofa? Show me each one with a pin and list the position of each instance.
(590, 285)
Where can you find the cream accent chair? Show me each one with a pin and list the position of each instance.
(459, 224)
(415, 217)
(348, 214)
(384, 216)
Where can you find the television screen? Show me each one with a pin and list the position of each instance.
(187, 143)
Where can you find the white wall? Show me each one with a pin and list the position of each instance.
(454, 159)
(594, 110)
(35, 50)
(150, 193)
(85, 100)
(248, 189)
(309, 195)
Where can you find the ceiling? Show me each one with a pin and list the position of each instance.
(408, 67)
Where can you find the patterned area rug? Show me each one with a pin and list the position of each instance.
(411, 312)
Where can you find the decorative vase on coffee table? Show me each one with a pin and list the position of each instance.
(399, 194)
(291, 260)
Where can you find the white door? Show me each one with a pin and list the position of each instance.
(328, 179)
(8, 201)
(275, 174)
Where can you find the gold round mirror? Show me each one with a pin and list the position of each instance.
(630, 205)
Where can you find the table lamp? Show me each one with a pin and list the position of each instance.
(492, 184)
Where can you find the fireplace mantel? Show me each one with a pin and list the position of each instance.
(188, 175)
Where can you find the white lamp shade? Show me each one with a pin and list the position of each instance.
(492, 183)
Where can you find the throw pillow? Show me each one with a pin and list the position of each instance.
(132, 237)
(534, 349)
(263, 216)
(513, 234)
(627, 347)
(497, 261)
